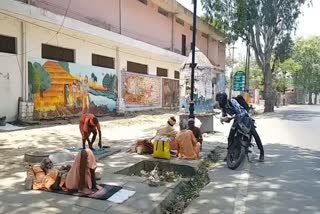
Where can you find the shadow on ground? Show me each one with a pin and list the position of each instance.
(293, 115)
(288, 182)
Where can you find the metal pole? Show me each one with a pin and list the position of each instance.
(193, 65)
(247, 67)
(231, 75)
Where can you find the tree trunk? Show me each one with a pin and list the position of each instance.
(310, 99)
(315, 99)
(269, 98)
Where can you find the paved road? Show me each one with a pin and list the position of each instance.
(287, 182)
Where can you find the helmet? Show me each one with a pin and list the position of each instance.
(222, 98)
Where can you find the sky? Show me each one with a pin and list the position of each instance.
(306, 22)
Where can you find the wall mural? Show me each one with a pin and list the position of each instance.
(203, 90)
(170, 93)
(141, 90)
(64, 89)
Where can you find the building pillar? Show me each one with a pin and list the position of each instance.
(120, 102)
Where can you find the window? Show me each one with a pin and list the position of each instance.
(102, 61)
(144, 2)
(176, 74)
(57, 53)
(8, 44)
(137, 67)
(161, 72)
(183, 45)
(180, 21)
(163, 11)
(204, 35)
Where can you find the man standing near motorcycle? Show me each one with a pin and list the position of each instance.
(233, 108)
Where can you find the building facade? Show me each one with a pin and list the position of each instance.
(68, 56)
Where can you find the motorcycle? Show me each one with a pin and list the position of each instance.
(239, 148)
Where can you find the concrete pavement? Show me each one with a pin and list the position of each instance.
(13, 145)
(287, 182)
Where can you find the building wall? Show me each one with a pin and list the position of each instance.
(145, 25)
(213, 51)
(12, 88)
(10, 73)
(86, 10)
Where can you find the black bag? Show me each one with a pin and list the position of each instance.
(242, 102)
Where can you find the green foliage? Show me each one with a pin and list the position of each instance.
(264, 25)
(45, 77)
(39, 78)
(256, 75)
(109, 94)
(110, 81)
(34, 79)
(65, 66)
(307, 54)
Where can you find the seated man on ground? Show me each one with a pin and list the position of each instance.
(81, 176)
(196, 131)
(89, 124)
(47, 177)
(168, 131)
(188, 147)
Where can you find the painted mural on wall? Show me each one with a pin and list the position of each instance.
(141, 90)
(203, 90)
(61, 89)
(170, 93)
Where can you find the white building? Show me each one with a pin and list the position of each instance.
(33, 35)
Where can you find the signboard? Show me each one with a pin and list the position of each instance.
(239, 81)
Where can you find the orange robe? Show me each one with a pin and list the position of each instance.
(188, 148)
(73, 178)
(84, 127)
(41, 180)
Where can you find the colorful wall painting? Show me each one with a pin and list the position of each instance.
(203, 90)
(170, 93)
(140, 90)
(60, 89)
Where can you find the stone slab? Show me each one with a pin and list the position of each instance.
(99, 205)
(207, 121)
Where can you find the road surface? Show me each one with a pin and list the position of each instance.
(287, 182)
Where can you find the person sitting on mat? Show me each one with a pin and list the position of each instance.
(89, 124)
(82, 176)
(168, 131)
(46, 177)
(188, 147)
(195, 130)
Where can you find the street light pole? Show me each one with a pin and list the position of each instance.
(193, 64)
(231, 75)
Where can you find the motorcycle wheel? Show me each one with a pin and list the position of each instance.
(235, 156)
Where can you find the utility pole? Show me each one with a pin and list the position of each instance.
(248, 67)
(231, 75)
(193, 64)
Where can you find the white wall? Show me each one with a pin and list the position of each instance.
(11, 88)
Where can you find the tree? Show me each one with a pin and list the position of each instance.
(307, 54)
(34, 80)
(262, 24)
(43, 77)
(65, 66)
(110, 81)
